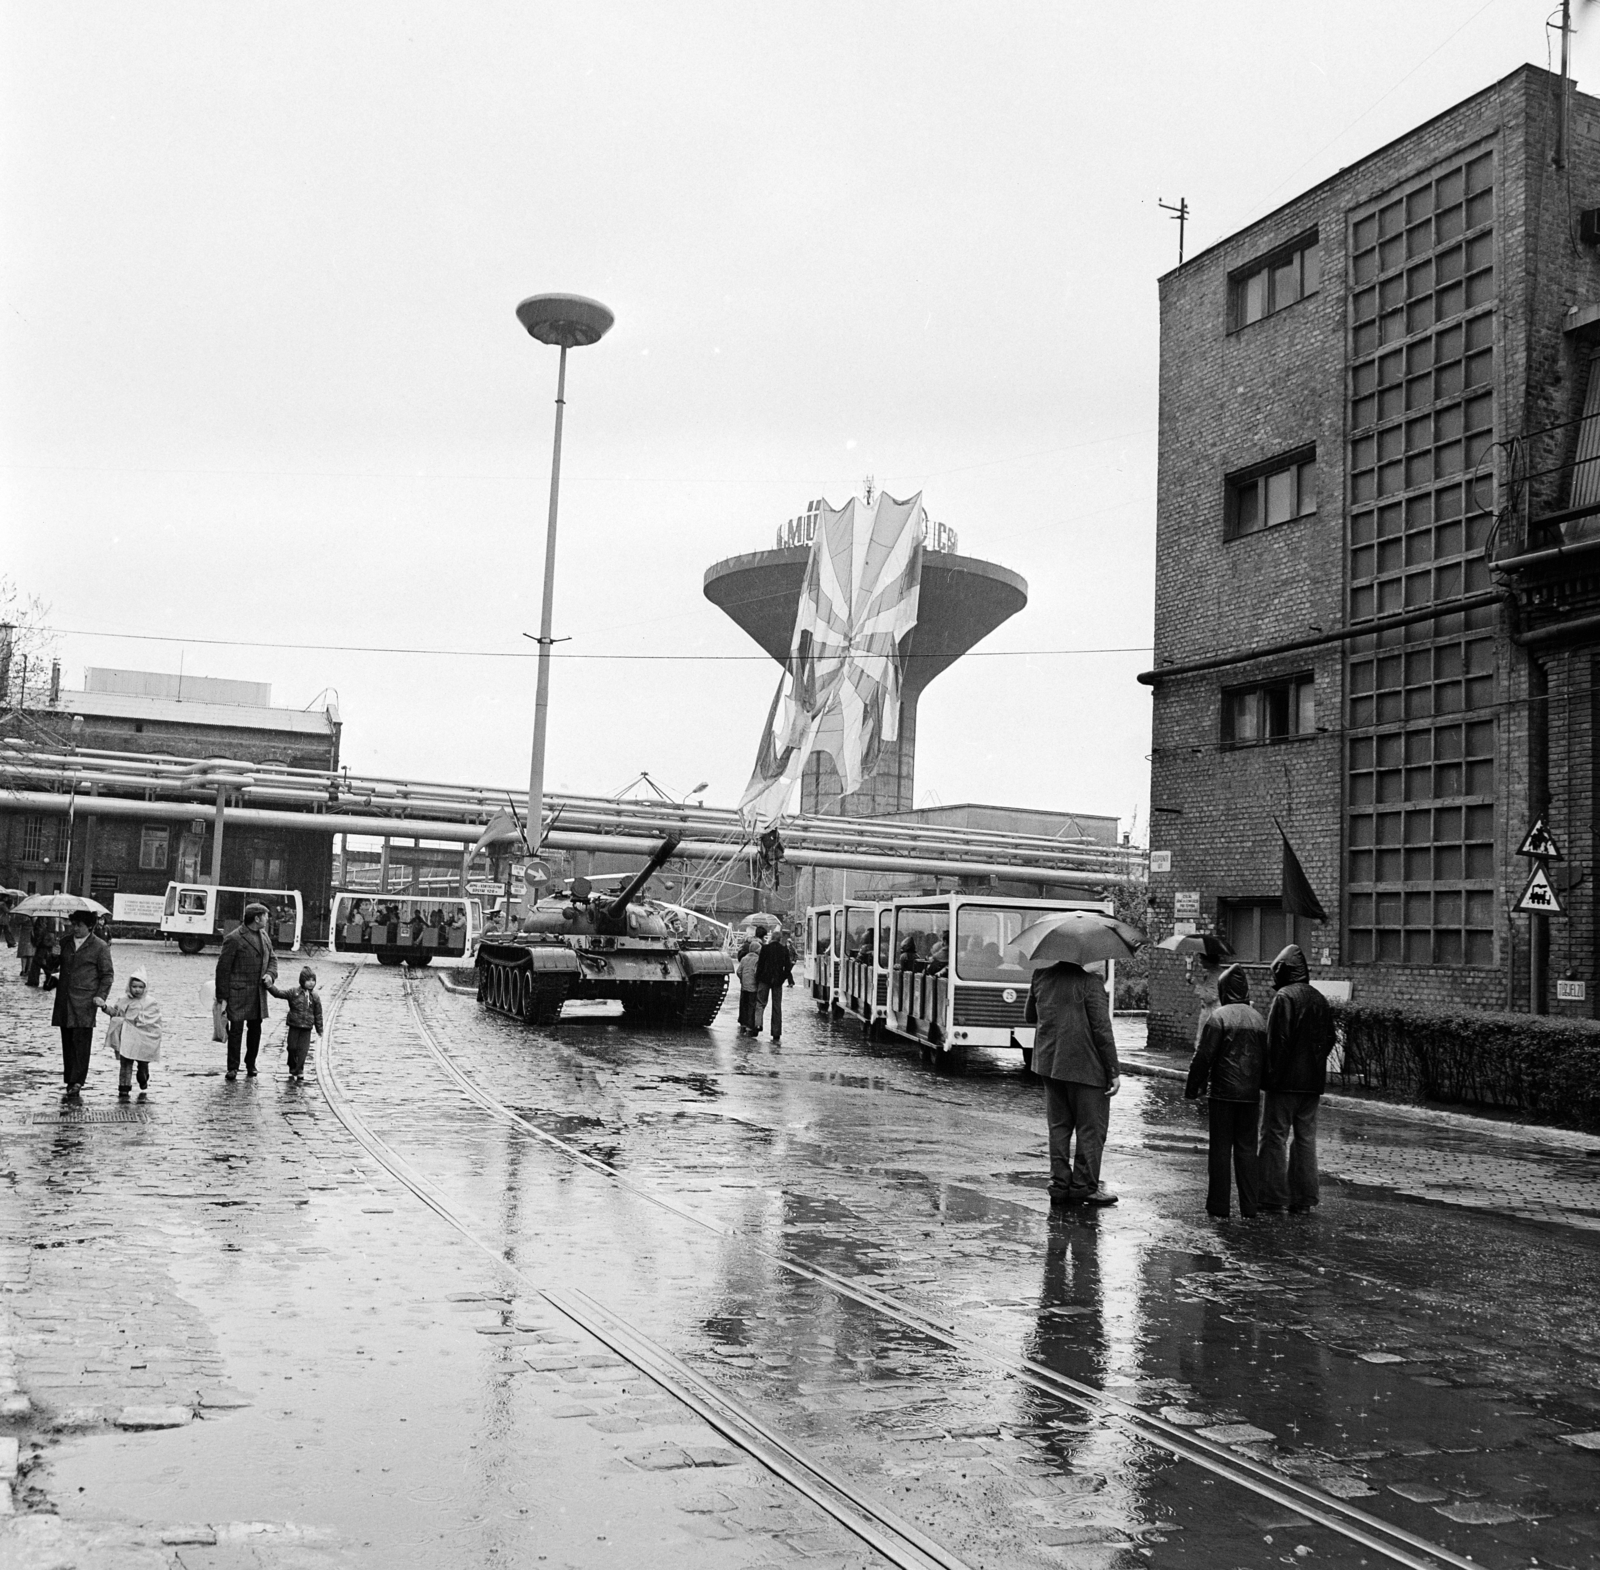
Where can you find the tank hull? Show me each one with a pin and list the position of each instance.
(657, 982)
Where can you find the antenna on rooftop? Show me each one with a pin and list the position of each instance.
(1181, 213)
(869, 490)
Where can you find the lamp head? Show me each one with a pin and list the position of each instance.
(569, 321)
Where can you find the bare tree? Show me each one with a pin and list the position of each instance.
(27, 647)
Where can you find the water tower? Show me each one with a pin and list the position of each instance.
(962, 600)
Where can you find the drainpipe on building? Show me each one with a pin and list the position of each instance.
(1538, 805)
(216, 841)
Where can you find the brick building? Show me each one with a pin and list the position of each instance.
(190, 717)
(1377, 597)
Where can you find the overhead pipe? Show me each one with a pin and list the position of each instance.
(563, 839)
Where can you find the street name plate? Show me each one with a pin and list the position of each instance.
(1161, 861)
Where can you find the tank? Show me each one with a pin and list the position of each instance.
(584, 944)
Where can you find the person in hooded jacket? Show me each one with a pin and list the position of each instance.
(134, 1034)
(1228, 1061)
(1299, 1039)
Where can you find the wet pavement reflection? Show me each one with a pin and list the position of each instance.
(856, 1252)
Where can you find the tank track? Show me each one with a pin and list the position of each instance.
(515, 989)
(704, 1000)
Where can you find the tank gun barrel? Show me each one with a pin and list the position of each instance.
(614, 912)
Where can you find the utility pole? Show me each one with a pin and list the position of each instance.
(1561, 123)
(1181, 213)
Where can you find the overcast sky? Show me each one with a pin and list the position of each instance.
(262, 380)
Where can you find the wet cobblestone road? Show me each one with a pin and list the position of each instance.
(852, 1252)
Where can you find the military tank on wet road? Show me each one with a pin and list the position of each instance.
(588, 945)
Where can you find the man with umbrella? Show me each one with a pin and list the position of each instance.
(83, 988)
(1074, 1051)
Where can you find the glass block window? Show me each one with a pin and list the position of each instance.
(1421, 879)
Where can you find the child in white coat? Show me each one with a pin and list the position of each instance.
(134, 1034)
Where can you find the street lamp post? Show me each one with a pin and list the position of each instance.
(569, 321)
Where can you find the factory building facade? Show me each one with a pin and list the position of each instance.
(1378, 568)
(190, 717)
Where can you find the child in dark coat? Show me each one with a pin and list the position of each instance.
(1229, 1059)
(305, 1015)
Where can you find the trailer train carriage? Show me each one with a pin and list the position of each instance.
(941, 970)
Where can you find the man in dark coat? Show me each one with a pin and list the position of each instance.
(774, 972)
(1299, 1039)
(82, 989)
(1075, 1054)
(1228, 1059)
(244, 967)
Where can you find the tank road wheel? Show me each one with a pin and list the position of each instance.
(526, 999)
(189, 944)
(483, 985)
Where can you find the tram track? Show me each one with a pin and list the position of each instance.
(1392, 1542)
(896, 1540)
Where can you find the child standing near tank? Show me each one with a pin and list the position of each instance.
(305, 1015)
(134, 1034)
(749, 958)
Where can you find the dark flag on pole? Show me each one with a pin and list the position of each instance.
(1299, 898)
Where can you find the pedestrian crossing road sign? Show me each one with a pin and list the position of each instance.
(1539, 897)
(1540, 844)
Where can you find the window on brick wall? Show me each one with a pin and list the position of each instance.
(1421, 753)
(1269, 711)
(38, 839)
(153, 848)
(1256, 930)
(1274, 282)
(1271, 494)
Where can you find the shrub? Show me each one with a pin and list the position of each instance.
(1545, 1068)
(1132, 993)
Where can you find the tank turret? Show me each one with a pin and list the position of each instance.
(611, 917)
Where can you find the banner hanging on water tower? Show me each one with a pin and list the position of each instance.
(841, 693)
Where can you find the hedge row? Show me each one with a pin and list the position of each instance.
(1545, 1068)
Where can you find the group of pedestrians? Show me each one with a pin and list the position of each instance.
(247, 971)
(1242, 1061)
(765, 966)
(1239, 1060)
(38, 945)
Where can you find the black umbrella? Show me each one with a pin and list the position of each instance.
(1207, 944)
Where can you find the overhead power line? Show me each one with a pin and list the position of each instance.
(531, 654)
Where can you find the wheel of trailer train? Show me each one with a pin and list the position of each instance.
(953, 1060)
(1027, 1060)
(188, 945)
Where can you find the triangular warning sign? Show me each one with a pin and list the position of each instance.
(1540, 843)
(1539, 897)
